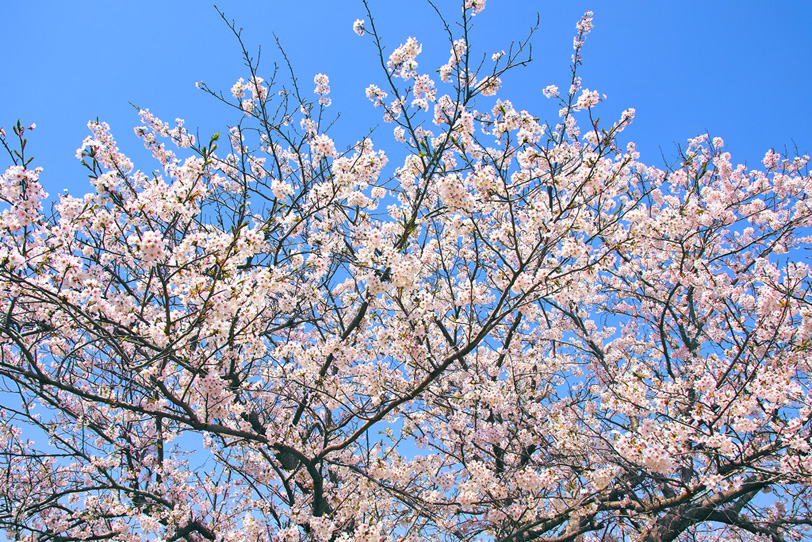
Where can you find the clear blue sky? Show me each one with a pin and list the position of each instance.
(737, 69)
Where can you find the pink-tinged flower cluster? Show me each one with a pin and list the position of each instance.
(152, 247)
(290, 534)
(361, 168)
(255, 86)
(402, 62)
(533, 481)
(323, 147)
(308, 125)
(627, 116)
(358, 27)
(424, 92)
(602, 477)
(375, 95)
(459, 49)
(476, 6)
(322, 528)
(150, 133)
(587, 99)
(179, 135)
(322, 89)
(21, 189)
(550, 91)
(771, 160)
(404, 270)
(490, 85)
(215, 398)
(103, 148)
(257, 89)
(657, 459)
(453, 193)
(584, 27)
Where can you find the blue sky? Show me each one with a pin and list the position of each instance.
(736, 69)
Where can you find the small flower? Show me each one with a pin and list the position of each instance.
(627, 116)
(771, 159)
(375, 95)
(476, 6)
(587, 99)
(550, 91)
(152, 247)
(585, 24)
(322, 84)
(238, 89)
(402, 60)
(490, 86)
(323, 146)
(358, 27)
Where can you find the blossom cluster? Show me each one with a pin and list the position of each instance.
(402, 61)
(322, 89)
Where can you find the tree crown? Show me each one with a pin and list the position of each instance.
(525, 333)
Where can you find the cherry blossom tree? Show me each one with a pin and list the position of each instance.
(518, 332)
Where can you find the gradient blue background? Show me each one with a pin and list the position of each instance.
(736, 69)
